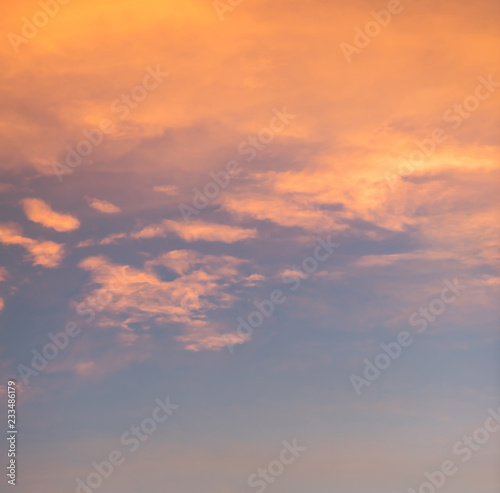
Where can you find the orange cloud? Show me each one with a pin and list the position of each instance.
(44, 253)
(209, 231)
(168, 189)
(201, 286)
(40, 212)
(196, 230)
(109, 240)
(103, 206)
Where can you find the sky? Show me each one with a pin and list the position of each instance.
(251, 246)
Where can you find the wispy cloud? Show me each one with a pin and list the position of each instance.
(103, 206)
(201, 285)
(196, 231)
(168, 189)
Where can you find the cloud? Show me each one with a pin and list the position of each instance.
(44, 253)
(103, 206)
(195, 231)
(404, 102)
(140, 296)
(283, 210)
(40, 212)
(254, 280)
(151, 231)
(209, 231)
(86, 243)
(168, 189)
(108, 240)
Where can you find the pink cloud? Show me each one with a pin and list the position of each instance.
(140, 296)
(45, 253)
(198, 230)
(168, 189)
(103, 206)
(40, 212)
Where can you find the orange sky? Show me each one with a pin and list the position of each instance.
(392, 150)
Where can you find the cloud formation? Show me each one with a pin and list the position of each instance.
(103, 206)
(168, 189)
(38, 211)
(44, 253)
(195, 231)
(139, 296)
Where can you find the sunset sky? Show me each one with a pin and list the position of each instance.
(167, 167)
